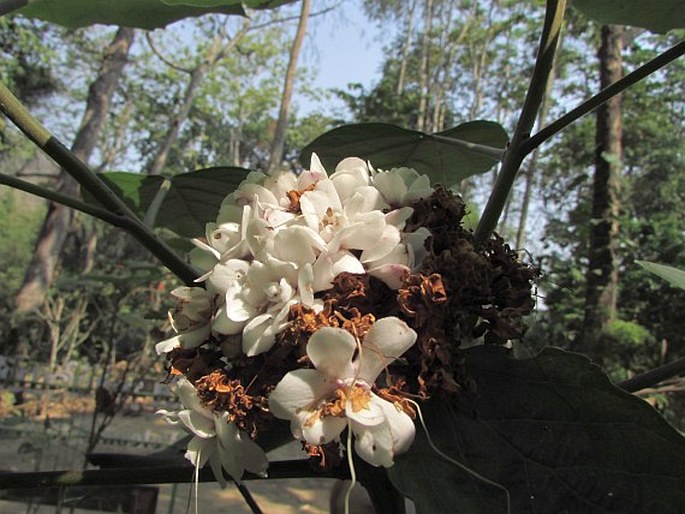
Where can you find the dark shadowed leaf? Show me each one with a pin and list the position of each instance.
(145, 14)
(252, 4)
(674, 276)
(387, 146)
(192, 200)
(655, 15)
(555, 432)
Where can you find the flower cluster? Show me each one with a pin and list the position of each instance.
(328, 301)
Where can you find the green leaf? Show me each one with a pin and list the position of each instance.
(555, 432)
(655, 15)
(252, 4)
(145, 14)
(673, 275)
(193, 198)
(387, 146)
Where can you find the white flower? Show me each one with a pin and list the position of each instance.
(321, 402)
(402, 186)
(190, 319)
(215, 439)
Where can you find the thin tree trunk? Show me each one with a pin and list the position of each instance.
(406, 46)
(602, 275)
(425, 54)
(276, 154)
(58, 220)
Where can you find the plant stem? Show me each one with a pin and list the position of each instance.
(54, 196)
(154, 475)
(617, 87)
(19, 115)
(653, 376)
(517, 151)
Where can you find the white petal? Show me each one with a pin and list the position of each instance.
(197, 423)
(401, 426)
(187, 394)
(199, 451)
(328, 266)
(330, 349)
(299, 245)
(387, 339)
(323, 430)
(369, 416)
(223, 325)
(258, 335)
(391, 274)
(299, 390)
(305, 285)
(374, 444)
(391, 186)
(389, 240)
(316, 167)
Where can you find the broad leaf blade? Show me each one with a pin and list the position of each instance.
(145, 14)
(672, 275)
(555, 432)
(655, 15)
(194, 199)
(252, 4)
(386, 146)
(136, 189)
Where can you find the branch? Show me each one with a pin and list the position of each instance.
(17, 113)
(653, 376)
(155, 475)
(617, 87)
(161, 56)
(517, 152)
(54, 196)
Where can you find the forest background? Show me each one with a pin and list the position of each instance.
(213, 91)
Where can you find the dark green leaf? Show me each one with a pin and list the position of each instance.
(673, 275)
(655, 15)
(252, 4)
(555, 432)
(145, 14)
(192, 200)
(387, 146)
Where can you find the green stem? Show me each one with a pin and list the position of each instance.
(517, 151)
(54, 196)
(20, 116)
(489, 151)
(617, 87)
(154, 475)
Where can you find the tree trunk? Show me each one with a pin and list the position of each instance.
(276, 154)
(46, 256)
(602, 274)
(425, 54)
(406, 46)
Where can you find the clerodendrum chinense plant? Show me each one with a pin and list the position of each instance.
(339, 303)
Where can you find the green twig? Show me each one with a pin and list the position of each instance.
(592, 103)
(54, 196)
(20, 116)
(155, 475)
(653, 376)
(517, 152)
(489, 151)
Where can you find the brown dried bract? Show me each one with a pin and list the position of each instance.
(294, 196)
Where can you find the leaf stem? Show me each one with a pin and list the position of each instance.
(154, 475)
(653, 376)
(54, 196)
(617, 87)
(517, 150)
(489, 151)
(32, 128)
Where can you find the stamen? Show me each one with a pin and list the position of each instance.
(353, 474)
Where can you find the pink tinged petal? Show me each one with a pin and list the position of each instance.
(316, 430)
(299, 391)
(401, 425)
(331, 349)
(389, 240)
(197, 423)
(258, 335)
(315, 166)
(387, 339)
(391, 274)
(374, 444)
